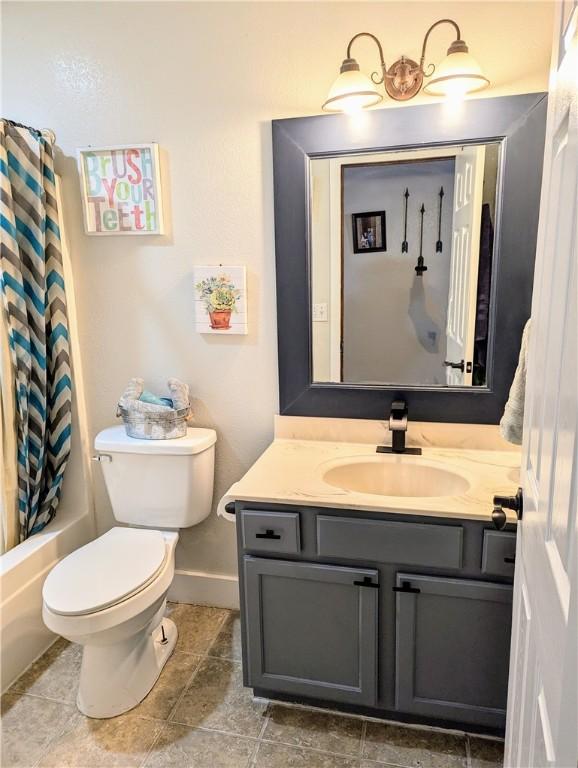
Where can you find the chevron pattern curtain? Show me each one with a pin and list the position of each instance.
(33, 298)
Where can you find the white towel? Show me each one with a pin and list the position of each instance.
(179, 394)
(134, 390)
(512, 423)
(130, 398)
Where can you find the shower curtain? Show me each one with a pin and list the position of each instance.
(36, 380)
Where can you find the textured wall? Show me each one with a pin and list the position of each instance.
(204, 80)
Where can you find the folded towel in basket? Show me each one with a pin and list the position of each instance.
(150, 397)
(138, 400)
(131, 401)
(134, 390)
(179, 393)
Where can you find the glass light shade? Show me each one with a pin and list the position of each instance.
(351, 92)
(459, 73)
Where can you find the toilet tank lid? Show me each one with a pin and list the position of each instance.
(115, 440)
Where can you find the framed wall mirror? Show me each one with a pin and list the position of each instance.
(405, 244)
(405, 304)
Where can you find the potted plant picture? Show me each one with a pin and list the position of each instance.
(219, 296)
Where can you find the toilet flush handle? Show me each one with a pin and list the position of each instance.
(102, 457)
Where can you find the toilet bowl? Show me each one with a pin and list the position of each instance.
(110, 595)
(120, 622)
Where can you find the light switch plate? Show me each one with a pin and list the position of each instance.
(320, 313)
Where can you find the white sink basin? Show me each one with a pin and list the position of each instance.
(395, 476)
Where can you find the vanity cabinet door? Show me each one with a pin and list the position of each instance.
(312, 629)
(452, 648)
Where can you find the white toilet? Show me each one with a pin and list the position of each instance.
(110, 595)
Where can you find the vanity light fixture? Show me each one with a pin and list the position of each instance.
(459, 73)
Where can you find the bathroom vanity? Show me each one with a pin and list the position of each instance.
(378, 581)
(398, 606)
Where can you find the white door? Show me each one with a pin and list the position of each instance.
(542, 728)
(461, 323)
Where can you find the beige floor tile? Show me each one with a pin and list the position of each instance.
(318, 730)
(283, 756)
(485, 753)
(179, 746)
(374, 764)
(119, 742)
(161, 700)
(216, 699)
(414, 748)
(228, 642)
(28, 726)
(54, 674)
(197, 625)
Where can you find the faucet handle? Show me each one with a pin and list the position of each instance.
(398, 416)
(398, 423)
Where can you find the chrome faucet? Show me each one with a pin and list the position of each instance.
(398, 428)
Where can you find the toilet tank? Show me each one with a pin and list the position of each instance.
(158, 483)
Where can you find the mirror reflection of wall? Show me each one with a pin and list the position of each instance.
(376, 318)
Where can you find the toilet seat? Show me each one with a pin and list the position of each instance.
(106, 571)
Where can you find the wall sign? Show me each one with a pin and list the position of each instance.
(220, 300)
(121, 191)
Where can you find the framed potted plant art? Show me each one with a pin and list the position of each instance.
(220, 301)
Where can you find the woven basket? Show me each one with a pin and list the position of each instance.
(155, 426)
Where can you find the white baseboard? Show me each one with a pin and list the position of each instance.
(202, 588)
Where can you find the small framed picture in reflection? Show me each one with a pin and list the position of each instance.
(369, 233)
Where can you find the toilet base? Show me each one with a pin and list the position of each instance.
(115, 678)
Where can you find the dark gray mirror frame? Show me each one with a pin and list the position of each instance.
(519, 122)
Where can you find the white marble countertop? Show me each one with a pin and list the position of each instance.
(291, 472)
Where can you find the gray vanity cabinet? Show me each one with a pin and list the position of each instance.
(312, 629)
(452, 648)
(405, 617)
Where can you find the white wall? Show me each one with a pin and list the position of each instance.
(205, 80)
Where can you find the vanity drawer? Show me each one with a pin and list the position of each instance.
(271, 531)
(498, 553)
(385, 541)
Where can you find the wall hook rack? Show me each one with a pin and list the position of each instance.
(420, 267)
(439, 244)
(404, 245)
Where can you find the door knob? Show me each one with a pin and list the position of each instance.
(459, 366)
(499, 518)
(515, 503)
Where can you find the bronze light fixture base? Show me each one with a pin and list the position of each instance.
(403, 79)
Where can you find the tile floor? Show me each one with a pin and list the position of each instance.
(199, 716)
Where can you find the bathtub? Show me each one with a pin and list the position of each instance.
(23, 636)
